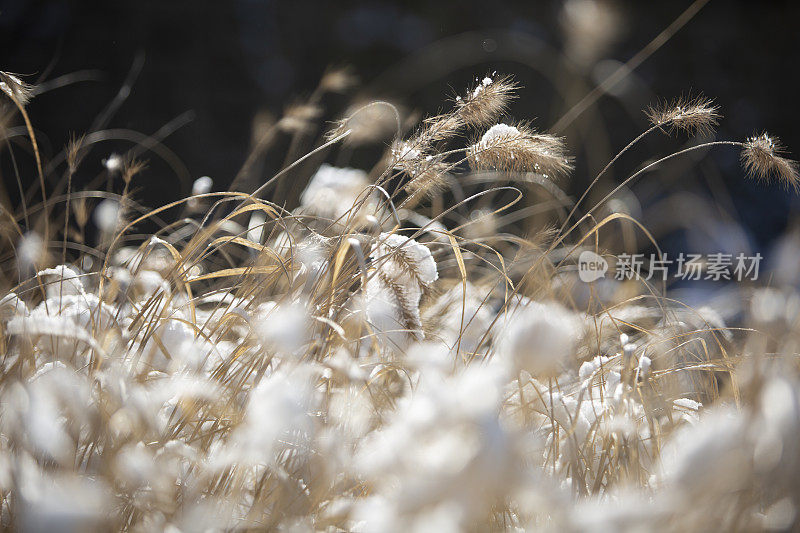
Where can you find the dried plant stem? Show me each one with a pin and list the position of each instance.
(602, 173)
(38, 158)
(639, 173)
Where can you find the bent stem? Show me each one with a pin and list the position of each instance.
(637, 174)
(605, 169)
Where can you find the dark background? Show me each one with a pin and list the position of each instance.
(226, 61)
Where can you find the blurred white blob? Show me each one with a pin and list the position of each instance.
(174, 347)
(56, 323)
(778, 429)
(30, 251)
(444, 447)
(643, 368)
(255, 227)
(541, 337)
(624, 510)
(393, 312)
(590, 26)
(278, 415)
(772, 306)
(285, 327)
(461, 317)
(63, 503)
(106, 216)
(333, 191)
(202, 185)
(61, 280)
(708, 454)
(11, 305)
(588, 368)
(482, 223)
(113, 163)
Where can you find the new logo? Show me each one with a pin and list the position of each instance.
(591, 266)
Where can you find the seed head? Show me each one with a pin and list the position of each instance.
(694, 115)
(74, 152)
(440, 127)
(519, 149)
(407, 154)
(762, 159)
(81, 210)
(427, 173)
(15, 88)
(132, 167)
(426, 180)
(486, 101)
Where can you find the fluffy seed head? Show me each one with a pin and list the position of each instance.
(486, 101)
(407, 154)
(403, 269)
(418, 150)
(519, 149)
(131, 167)
(426, 180)
(690, 114)
(427, 173)
(404, 259)
(762, 159)
(74, 152)
(440, 127)
(15, 88)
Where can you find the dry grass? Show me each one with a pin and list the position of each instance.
(376, 359)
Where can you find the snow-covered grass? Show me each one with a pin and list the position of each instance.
(393, 354)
